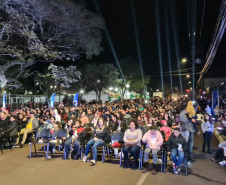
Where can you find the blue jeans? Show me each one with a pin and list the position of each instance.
(134, 151)
(190, 144)
(95, 144)
(174, 154)
(76, 144)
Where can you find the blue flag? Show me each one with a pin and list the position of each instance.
(52, 100)
(4, 100)
(75, 100)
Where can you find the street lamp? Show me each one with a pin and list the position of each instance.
(111, 88)
(184, 60)
(81, 91)
(127, 85)
(157, 90)
(188, 76)
(147, 93)
(98, 81)
(189, 82)
(51, 87)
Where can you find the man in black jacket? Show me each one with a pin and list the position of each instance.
(4, 122)
(176, 147)
(11, 130)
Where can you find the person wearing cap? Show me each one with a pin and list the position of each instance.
(32, 124)
(154, 140)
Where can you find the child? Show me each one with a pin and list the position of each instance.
(166, 129)
(207, 129)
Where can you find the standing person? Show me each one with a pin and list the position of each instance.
(207, 129)
(132, 139)
(216, 113)
(208, 110)
(176, 147)
(153, 139)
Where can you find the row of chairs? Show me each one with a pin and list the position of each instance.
(46, 137)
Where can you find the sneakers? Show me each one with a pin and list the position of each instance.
(154, 170)
(175, 170)
(135, 165)
(84, 159)
(93, 162)
(213, 159)
(222, 163)
(126, 164)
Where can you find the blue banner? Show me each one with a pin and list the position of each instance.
(75, 100)
(4, 100)
(52, 100)
(214, 98)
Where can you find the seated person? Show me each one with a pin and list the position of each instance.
(32, 124)
(4, 122)
(75, 139)
(97, 139)
(132, 139)
(166, 129)
(153, 139)
(175, 146)
(12, 129)
(220, 155)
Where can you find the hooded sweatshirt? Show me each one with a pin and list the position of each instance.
(153, 141)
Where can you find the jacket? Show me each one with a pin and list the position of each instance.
(12, 129)
(153, 141)
(100, 134)
(173, 142)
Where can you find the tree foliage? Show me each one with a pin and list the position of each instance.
(96, 77)
(47, 30)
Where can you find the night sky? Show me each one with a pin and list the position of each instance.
(119, 22)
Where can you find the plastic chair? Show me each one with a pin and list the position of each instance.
(44, 133)
(58, 134)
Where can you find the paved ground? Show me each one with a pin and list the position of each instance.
(17, 169)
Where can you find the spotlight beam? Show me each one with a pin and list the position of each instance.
(110, 41)
(176, 44)
(159, 44)
(137, 40)
(168, 47)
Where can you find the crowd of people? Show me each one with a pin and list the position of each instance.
(170, 125)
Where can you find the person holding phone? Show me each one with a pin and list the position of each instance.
(176, 146)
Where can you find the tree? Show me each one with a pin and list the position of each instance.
(132, 76)
(96, 77)
(41, 30)
(56, 78)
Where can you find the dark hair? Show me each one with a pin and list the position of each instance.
(135, 123)
(210, 118)
(153, 127)
(78, 121)
(176, 129)
(53, 117)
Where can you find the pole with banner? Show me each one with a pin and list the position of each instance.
(52, 100)
(75, 100)
(4, 99)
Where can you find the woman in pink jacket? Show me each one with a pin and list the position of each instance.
(153, 139)
(166, 129)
